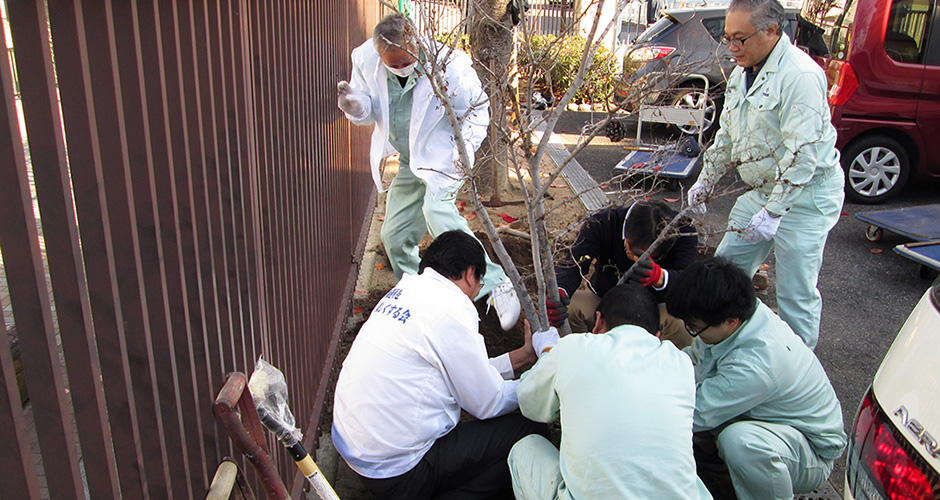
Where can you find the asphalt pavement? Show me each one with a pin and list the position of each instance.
(868, 290)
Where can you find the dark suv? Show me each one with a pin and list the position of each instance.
(681, 44)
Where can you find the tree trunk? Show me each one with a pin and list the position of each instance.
(490, 29)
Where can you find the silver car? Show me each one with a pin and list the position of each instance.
(665, 58)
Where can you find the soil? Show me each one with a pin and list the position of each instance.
(565, 215)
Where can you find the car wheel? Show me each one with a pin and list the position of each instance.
(876, 168)
(691, 97)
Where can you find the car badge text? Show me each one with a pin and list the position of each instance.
(917, 429)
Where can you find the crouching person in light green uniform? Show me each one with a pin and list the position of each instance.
(625, 399)
(761, 394)
(391, 89)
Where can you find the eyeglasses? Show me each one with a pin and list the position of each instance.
(696, 333)
(737, 42)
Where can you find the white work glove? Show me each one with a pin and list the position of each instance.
(762, 227)
(696, 197)
(542, 342)
(350, 101)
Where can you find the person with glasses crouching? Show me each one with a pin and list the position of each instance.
(763, 403)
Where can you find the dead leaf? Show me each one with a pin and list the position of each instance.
(471, 216)
(380, 266)
(876, 250)
(672, 200)
(844, 213)
(764, 267)
(559, 186)
(381, 217)
(506, 217)
(357, 310)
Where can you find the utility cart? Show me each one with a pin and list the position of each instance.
(672, 161)
(921, 224)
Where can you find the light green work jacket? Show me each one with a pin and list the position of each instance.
(763, 371)
(777, 134)
(626, 401)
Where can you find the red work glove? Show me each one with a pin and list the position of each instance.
(645, 272)
(557, 314)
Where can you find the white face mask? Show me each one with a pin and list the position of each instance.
(403, 72)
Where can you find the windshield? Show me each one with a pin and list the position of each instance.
(657, 29)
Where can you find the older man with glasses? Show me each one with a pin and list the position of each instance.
(762, 399)
(776, 131)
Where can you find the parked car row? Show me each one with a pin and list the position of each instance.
(883, 61)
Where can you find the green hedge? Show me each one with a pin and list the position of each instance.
(560, 61)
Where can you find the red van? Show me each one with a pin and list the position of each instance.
(885, 94)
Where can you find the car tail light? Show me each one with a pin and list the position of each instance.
(881, 463)
(845, 86)
(651, 53)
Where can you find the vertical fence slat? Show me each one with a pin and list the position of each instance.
(241, 180)
(178, 244)
(144, 296)
(232, 195)
(20, 477)
(29, 292)
(87, 99)
(203, 157)
(200, 306)
(67, 275)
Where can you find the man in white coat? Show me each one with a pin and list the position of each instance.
(391, 89)
(415, 364)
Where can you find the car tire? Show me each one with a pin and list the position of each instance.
(686, 97)
(876, 168)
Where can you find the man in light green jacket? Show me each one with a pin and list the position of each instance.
(626, 400)
(776, 131)
(761, 395)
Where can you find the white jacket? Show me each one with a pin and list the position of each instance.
(433, 153)
(415, 363)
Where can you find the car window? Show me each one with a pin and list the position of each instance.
(840, 34)
(908, 23)
(715, 27)
(659, 28)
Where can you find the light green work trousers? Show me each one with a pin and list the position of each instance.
(770, 461)
(535, 467)
(798, 246)
(411, 211)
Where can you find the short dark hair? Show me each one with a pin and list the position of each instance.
(644, 221)
(395, 30)
(630, 304)
(452, 253)
(764, 13)
(711, 290)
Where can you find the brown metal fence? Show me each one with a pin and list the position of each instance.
(186, 198)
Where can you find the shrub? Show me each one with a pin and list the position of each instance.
(559, 59)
